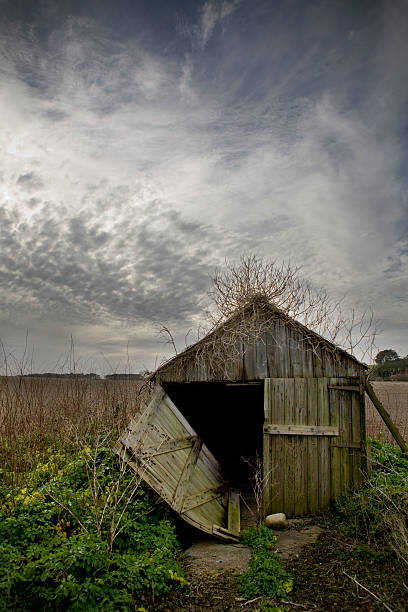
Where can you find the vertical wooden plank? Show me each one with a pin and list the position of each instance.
(328, 362)
(289, 351)
(267, 452)
(279, 456)
(317, 362)
(261, 359)
(355, 454)
(295, 353)
(283, 351)
(335, 453)
(345, 437)
(323, 418)
(307, 359)
(234, 517)
(353, 368)
(301, 448)
(344, 400)
(289, 447)
(272, 351)
(363, 432)
(249, 362)
(312, 448)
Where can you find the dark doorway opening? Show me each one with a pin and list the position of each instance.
(229, 419)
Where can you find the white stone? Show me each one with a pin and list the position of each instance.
(276, 521)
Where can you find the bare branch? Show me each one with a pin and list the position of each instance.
(368, 591)
(166, 336)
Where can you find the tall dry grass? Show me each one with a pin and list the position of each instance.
(394, 397)
(39, 414)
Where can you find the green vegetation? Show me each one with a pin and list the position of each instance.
(84, 534)
(266, 574)
(386, 355)
(360, 561)
(378, 512)
(397, 369)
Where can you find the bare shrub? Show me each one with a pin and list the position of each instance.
(281, 285)
(258, 481)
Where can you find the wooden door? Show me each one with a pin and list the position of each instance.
(160, 445)
(313, 442)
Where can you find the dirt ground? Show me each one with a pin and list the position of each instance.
(211, 567)
(324, 563)
(209, 555)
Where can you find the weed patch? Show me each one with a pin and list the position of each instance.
(378, 512)
(266, 574)
(84, 534)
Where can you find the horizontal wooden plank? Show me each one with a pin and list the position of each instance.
(202, 497)
(355, 388)
(220, 532)
(300, 430)
(253, 383)
(169, 446)
(354, 446)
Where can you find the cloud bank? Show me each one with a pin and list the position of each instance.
(135, 160)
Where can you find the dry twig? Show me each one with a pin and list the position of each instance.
(369, 592)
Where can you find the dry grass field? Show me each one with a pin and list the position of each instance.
(37, 413)
(394, 397)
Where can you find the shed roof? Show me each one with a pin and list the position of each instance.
(259, 308)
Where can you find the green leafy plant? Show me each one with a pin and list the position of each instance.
(378, 512)
(266, 574)
(84, 534)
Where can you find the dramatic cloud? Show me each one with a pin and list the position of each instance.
(141, 147)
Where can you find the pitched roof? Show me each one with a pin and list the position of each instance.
(259, 304)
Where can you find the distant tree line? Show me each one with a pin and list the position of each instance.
(81, 376)
(75, 375)
(124, 376)
(390, 366)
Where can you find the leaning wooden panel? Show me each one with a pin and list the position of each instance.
(161, 446)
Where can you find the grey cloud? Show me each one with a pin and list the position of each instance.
(278, 132)
(29, 181)
(76, 271)
(55, 115)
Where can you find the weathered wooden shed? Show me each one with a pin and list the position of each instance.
(261, 384)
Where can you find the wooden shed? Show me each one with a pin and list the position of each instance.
(260, 385)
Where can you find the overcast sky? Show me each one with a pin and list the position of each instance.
(143, 142)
